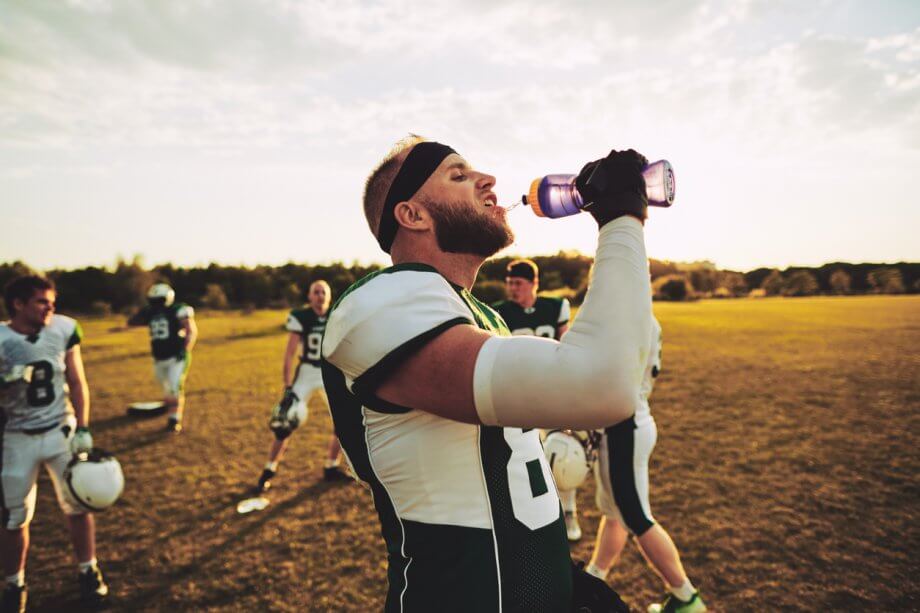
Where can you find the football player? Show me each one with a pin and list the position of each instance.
(173, 333)
(45, 421)
(306, 328)
(437, 406)
(529, 314)
(621, 473)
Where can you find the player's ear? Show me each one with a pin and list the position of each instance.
(412, 216)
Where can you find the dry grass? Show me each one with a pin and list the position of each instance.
(785, 470)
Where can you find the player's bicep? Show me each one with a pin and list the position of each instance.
(438, 377)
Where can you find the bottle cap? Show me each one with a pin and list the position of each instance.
(533, 198)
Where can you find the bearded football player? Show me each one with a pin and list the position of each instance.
(44, 417)
(305, 327)
(437, 406)
(173, 333)
(528, 314)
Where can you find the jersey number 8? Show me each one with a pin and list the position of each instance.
(40, 392)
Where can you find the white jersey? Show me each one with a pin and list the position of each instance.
(652, 368)
(468, 512)
(44, 401)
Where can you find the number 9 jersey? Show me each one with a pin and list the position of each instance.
(42, 402)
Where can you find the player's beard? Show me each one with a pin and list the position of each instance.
(461, 228)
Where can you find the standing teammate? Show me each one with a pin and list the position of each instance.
(306, 328)
(173, 333)
(532, 315)
(621, 473)
(45, 421)
(437, 405)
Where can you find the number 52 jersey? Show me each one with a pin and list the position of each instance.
(43, 402)
(469, 513)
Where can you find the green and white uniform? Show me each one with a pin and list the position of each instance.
(36, 418)
(621, 470)
(469, 514)
(310, 327)
(541, 319)
(167, 343)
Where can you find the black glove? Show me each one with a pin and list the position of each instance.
(593, 595)
(614, 186)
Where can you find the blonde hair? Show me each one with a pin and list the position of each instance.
(380, 179)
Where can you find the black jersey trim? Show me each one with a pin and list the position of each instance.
(366, 385)
(4, 512)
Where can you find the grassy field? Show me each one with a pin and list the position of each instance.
(786, 470)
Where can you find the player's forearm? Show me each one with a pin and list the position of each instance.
(191, 336)
(592, 377)
(287, 372)
(79, 398)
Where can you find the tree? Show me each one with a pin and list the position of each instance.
(886, 281)
(773, 283)
(840, 282)
(801, 283)
(489, 291)
(672, 287)
(214, 297)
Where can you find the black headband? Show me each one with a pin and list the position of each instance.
(523, 270)
(423, 160)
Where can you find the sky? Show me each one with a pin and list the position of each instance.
(241, 131)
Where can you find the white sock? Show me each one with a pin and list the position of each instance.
(88, 565)
(331, 463)
(598, 572)
(684, 592)
(19, 579)
(272, 466)
(567, 498)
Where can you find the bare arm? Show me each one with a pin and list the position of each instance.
(290, 355)
(447, 363)
(191, 333)
(76, 381)
(560, 330)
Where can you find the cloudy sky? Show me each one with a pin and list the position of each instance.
(241, 131)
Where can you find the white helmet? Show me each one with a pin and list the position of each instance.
(95, 479)
(567, 457)
(161, 291)
(287, 415)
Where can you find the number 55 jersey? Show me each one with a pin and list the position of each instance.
(469, 513)
(42, 402)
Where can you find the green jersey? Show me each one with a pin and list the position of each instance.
(310, 327)
(542, 319)
(167, 334)
(469, 514)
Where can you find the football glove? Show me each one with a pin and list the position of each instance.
(283, 420)
(593, 595)
(82, 441)
(614, 186)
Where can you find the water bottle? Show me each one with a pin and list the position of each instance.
(556, 195)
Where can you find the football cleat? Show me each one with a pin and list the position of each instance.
(265, 481)
(93, 589)
(14, 599)
(334, 473)
(672, 604)
(572, 529)
(173, 425)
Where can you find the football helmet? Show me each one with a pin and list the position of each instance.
(567, 454)
(94, 479)
(287, 415)
(161, 293)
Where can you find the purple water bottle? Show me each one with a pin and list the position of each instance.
(556, 196)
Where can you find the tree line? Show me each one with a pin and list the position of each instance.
(122, 288)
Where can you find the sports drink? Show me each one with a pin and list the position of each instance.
(556, 195)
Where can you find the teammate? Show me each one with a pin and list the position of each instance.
(173, 333)
(45, 421)
(306, 328)
(529, 314)
(621, 473)
(437, 405)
